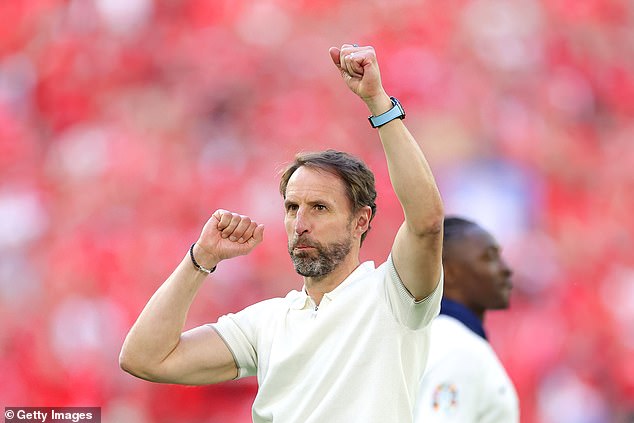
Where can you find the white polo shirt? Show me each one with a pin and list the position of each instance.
(464, 381)
(358, 357)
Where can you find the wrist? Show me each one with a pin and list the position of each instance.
(202, 260)
(395, 112)
(379, 104)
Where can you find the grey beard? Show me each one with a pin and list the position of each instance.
(328, 258)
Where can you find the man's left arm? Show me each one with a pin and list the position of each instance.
(417, 248)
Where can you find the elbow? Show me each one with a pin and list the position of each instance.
(133, 366)
(126, 363)
(431, 224)
(434, 225)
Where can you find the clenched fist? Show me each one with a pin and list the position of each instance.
(226, 235)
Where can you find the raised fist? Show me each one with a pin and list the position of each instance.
(226, 235)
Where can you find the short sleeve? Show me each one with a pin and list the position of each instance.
(407, 311)
(239, 332)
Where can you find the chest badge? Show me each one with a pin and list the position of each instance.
(445, 397)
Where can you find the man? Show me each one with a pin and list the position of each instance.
(346, 347)
(464, 381)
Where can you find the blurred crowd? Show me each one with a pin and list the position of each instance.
(125, 123)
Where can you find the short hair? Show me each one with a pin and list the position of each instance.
(357, 178)
(454, 228)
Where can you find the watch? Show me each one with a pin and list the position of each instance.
(396, 112)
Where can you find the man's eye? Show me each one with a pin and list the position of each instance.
(320, 207)
(291, 207)
(492, 255)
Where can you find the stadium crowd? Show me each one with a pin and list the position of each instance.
(124, 124)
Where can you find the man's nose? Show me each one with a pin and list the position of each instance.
(301, 222)
(506, 270)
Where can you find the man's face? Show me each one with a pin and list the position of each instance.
(318, 222)
(480, 272)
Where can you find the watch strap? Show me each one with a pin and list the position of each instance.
(396, 112)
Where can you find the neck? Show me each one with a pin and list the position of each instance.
(479, 313)
(316, 287)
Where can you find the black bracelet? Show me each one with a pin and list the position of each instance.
(196, 265)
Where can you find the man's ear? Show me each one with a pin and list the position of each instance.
(362, 220)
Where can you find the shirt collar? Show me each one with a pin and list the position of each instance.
(302, 299)
(361, 270)
(464, 315)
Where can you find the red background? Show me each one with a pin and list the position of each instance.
(124, 124)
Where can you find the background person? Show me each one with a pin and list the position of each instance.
(464, 381)
(346, 347)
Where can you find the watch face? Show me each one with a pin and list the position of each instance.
(399, 105)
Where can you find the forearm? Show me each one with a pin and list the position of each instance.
(157, 330)
(417, 246)
(156, 347)
(410, 174)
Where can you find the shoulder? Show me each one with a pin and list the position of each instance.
(464, 366)
(365, 275)
(453, 344)
(293, 298)
(455, 350)
(450, 333)
(262, 310)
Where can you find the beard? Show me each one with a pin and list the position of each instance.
(320, 261)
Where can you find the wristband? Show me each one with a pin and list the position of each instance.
(396, 112)
(195, 263)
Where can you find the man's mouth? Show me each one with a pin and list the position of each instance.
(303, 248)
(303, 244)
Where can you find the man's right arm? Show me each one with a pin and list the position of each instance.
(156, 348)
